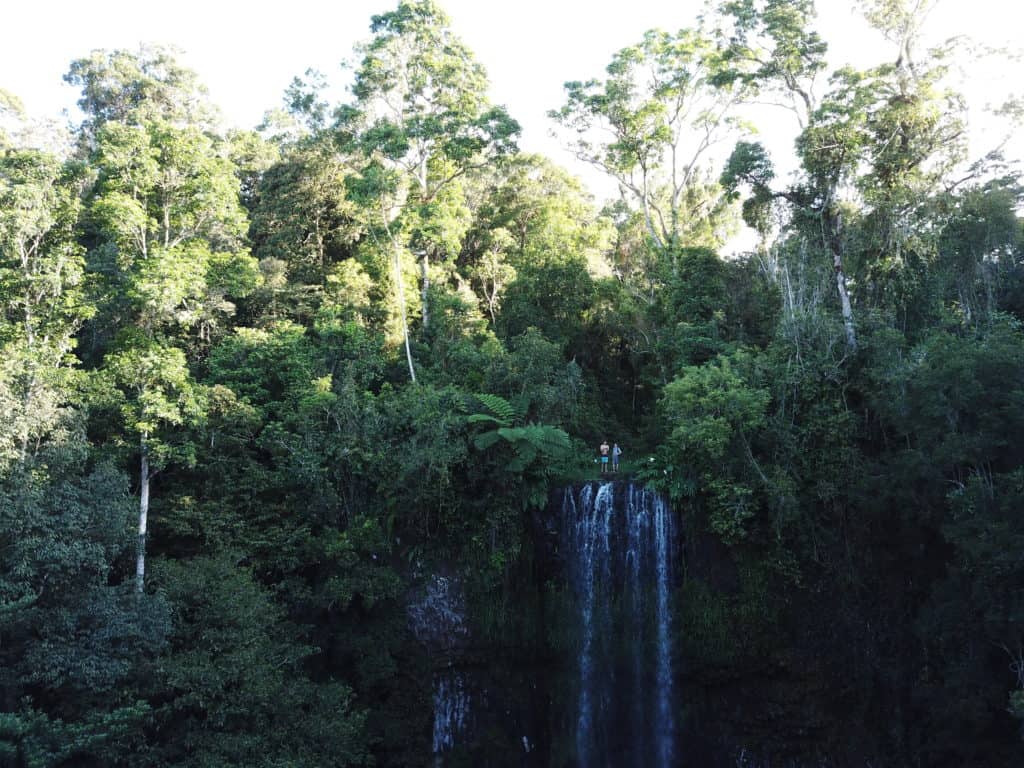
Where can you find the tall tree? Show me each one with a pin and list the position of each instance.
(159, 402)
(665, 110)
(166, 240)
(770, 46)
(135, 86)
(41, 300)
(886, 139)
(422, 118)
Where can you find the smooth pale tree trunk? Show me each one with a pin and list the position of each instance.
(834, 223)
(140, 560)
(426, 288)
(492, 300)
(397, 259)
(421, 179)
(401, 303)
(844, 300)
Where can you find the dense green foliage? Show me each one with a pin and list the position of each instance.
(255, 387)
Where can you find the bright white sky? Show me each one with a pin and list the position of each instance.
(248, 52)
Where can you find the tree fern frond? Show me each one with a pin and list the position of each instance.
(499, 406)
(526, 452)
(476, 418)
(525, 455)
(485, 440)
(520, 404)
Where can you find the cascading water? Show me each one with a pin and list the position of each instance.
(451, 708)
(662, 536)
(620, 546)
(437, 617)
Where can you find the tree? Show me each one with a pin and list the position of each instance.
(166, 228)
(164, 205)
(41, 298)
(535, 248)
(530, 442)
(539, 451)
(232, 687)
(158, 399)
(980, 246)
(304, 214)
(892, 134)
(769, 46)
(420, 121)
(377, 189)
(665, 108)
(712, 411)
(165, 210)
(493, 272)
(421, 100)
(126, 86)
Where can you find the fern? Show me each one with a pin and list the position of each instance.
(475, 418)
(520, 405)
(485, 440)
(525, 454)
(529, 442)
(499, 406)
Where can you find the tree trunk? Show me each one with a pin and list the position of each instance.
(426, 289)
(424, 195)
(835, 232)
(30, 384)
(140, 561)
(492, 299)
(401, 308)
(844, 300)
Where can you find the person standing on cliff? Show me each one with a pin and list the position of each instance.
(616, 452)
(604, 456)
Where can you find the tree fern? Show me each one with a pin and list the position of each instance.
(485, 440)
(500, 407)
(475, 418)
(529, 442)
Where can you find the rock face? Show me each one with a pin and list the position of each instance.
(593, 664)
(437, 618)
(485, 705)
(437, 615)
(588, 678)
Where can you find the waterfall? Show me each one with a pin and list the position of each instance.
(663, 528)
(451, 706)
(437, 618)
(639, 533)
(620, 543)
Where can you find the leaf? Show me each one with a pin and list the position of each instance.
(526, 453)
(476, 418)
(485, 440)
(498, 406)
